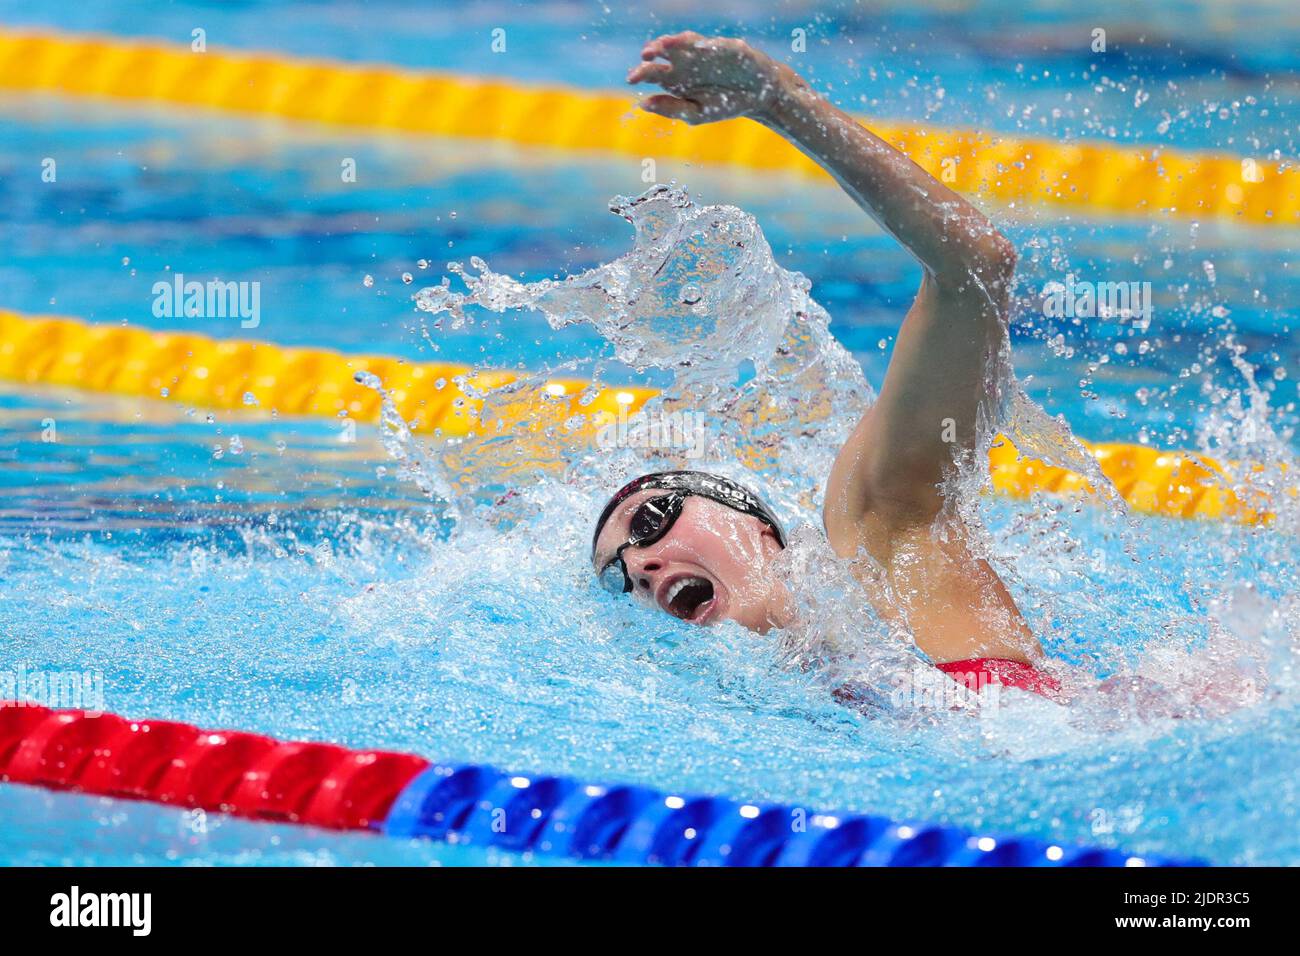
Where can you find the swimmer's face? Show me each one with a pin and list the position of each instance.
(713, 565)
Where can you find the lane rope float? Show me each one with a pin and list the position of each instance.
(195, 369)
(1092, 175)
(443, 399)
(405, 796)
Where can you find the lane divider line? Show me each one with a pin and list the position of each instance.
(405, 796)
(1091, 175)
(442, 399)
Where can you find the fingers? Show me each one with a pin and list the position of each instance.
(650, 73)
(673, 107)
(671, 40)
(665, 46)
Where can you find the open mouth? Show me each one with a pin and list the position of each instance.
(689, 598)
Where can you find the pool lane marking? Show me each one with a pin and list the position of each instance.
(403, 796)
(444, 399)
(1093, 175)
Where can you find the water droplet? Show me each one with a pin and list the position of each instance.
(407, 278)
(368, 281)
(250, 398)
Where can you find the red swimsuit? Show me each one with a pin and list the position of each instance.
(980, 671)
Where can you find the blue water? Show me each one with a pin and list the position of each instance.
(281, 583)
(1182, 72)
(145, 194)
(48, 829)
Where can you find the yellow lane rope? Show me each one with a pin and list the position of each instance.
(1100, 176)
(219, 373)
(440, 398)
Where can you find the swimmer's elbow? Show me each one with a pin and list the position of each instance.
(986, 269)
(999, 256)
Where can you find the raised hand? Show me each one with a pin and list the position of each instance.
(707, 78)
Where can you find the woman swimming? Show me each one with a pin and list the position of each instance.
(701, 547)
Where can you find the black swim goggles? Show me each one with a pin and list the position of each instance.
(655, 517)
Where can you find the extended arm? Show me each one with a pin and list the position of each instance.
(942, 364)
(884, 491)
(928, 403)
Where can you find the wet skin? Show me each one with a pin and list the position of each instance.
(884, 507)
(713, 565)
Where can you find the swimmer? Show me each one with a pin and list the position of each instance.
(701, 547)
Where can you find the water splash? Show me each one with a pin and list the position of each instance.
(751, 353)
(414, 463)
(698, 292)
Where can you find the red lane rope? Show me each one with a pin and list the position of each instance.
(162, 761)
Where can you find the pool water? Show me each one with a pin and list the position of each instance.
(255, 571)
(47, 829)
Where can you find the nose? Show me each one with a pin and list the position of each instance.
(642, 566)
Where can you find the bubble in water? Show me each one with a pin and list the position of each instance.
(368, 281)
(250, 398)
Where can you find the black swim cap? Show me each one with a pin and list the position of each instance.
(714, 487)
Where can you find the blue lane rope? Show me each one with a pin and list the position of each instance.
(559, 816)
